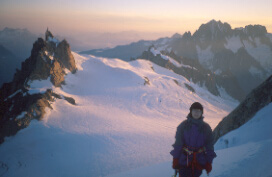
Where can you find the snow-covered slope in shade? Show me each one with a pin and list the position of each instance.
(233, 43)
(205, 56)
(260, 52)
(126, 117)
(256, 129)
(245, 151)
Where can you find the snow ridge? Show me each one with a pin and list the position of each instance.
(115, 125)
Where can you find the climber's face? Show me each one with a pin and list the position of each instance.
(196, 113)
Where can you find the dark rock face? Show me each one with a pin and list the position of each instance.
(189, 88)
(211, 33)
(185, 46)
(65, 57)
(18, 107)
(50, 58)
(255, 30)
(57, 74)
(256, 100)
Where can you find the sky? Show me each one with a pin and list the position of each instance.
(149, 18)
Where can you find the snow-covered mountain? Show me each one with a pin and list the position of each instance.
(107, 117)
(18, 41)
(243, 54)
(133, 50)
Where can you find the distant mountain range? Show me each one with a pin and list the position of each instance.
(243, 54)
(18, 41)
(15, 47)
(133, 50)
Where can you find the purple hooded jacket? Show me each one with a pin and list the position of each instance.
(194, 133)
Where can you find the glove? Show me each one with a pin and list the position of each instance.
(175, 163)
(208, 167)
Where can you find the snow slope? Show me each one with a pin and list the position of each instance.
(125, 118)
(205, 56)
(233, 43)
(261, 52)
(247, 153)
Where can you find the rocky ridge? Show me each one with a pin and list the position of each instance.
(50, 60)
(195, 72)
(244, 52)
(256, 100)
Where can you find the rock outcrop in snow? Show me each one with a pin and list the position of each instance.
(256, 100)
(50, 60)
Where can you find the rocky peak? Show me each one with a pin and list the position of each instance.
(64, 56)
(176, 36)
(187, 35)
(213, 30)
(49, 60)
(48, 35)
(255, 30)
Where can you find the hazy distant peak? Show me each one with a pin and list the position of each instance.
(255, 30)
(187, 35)
(15, 32)
(213, 28)
(4, 51)
(176, 35)
(252, 30)
(15, 29)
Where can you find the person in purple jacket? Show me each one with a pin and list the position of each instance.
(193, 149)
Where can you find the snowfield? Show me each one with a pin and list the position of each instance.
(245, 151)
(125, 118)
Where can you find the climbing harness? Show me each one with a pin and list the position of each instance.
(195, 151)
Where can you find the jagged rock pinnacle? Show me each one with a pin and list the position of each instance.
(49, 59)
(48, 34)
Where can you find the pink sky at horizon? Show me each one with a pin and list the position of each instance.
(152, 18)
(120, 15)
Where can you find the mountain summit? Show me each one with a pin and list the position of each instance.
(213, 30)
(21, 100)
